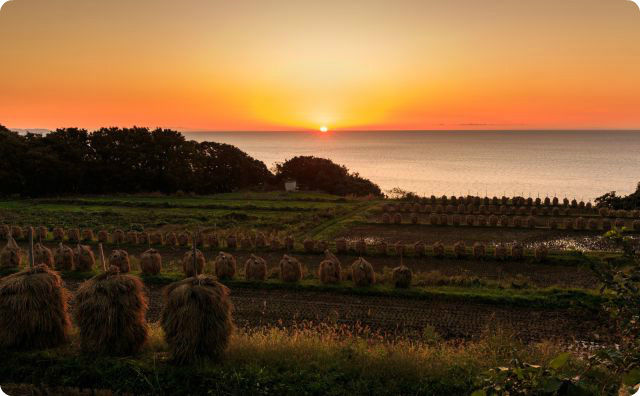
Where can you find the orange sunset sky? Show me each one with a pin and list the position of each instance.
(296, 65)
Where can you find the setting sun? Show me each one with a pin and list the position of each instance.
(324, 129)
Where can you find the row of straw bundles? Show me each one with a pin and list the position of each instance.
(110, 314)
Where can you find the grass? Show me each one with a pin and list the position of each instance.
(303, 360)
(294, 213)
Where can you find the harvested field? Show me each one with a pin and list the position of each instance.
(395, 316)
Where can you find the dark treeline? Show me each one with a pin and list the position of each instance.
(127, 160)
(614, 201)
(324, 175)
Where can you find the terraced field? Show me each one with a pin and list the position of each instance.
(460, 297)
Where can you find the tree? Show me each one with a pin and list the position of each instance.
(312, 173)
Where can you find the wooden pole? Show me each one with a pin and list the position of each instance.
(104, 263)
(31, 258)
(195, 266)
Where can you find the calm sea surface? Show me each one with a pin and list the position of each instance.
(580, 165)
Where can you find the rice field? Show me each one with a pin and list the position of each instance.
(298, 267)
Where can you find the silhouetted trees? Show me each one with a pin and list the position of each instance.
(613, 201)
(114, 160)
(131, 160)
(312, 173)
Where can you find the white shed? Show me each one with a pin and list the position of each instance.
(290, 185)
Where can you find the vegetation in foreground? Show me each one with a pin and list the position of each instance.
(315, 360)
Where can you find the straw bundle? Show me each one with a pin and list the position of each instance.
(43, 255)
(593, 224)
(456, 220)
(290, 269)
(120, 260)
(444, 219)
(362, 273)
(500, 252)
(289, 243)
(482, 221)
(330, 270)
(17, 232)
(110, 313)
(87, 235)
(531, 222)
(275, 244)
(382, 248)
(184, 239)
(156, 238)
(103, 236)
(188, 263)
(10, 256)
(196, 319)
(581, 205)
(214, 242)
(73, 235)
(386, 219)
(471, 220)
(574, 203)
(565, 202)
(555, 212)
(41, 233)
(569, 224)
(321, 246)
(245, 243)
(588, 206)
(402, 277)
(493, 220)
(151, 262)
(636, 225)
(341, 245)
(553, 224)
(58, 234)
(517, 251)
(555, 201)
(143, 238)
(397, 218)
(310, 245)
(460, 249)
(361, 247)
(5, 231)
(117, 237)
(64, 258)
(33, 310)
(439, 209)
(462, 209)
(255, 268)
(414, 218)
(620, 223)
(580, 223)
(434, 219)
(438, 249)
(517, 222)
(225, 265)
(479, 250)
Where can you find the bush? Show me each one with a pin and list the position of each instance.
(312, 173)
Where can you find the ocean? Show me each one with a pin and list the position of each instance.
(572, 164)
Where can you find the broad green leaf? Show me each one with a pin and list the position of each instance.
(479, 393)
(559, 361)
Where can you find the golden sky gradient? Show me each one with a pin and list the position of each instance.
(293, 65)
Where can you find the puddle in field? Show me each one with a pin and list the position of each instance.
(569, 243)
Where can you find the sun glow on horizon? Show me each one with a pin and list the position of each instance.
(430, 65)
(324, 129)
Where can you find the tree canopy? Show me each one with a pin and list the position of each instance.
(133, 160)
(613, 201)
(312, 173)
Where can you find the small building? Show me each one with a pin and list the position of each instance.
(290, 185)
